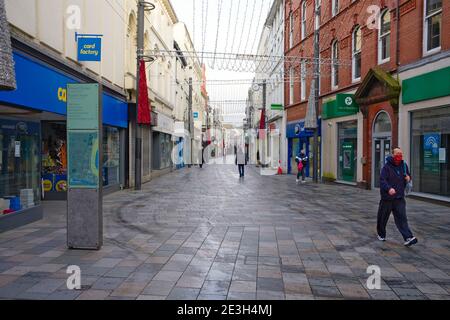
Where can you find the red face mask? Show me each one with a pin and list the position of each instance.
(398, 159)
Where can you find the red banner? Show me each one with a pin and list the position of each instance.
(144, 116)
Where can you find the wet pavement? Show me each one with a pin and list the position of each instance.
(206, 234)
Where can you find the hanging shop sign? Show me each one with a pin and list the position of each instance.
(276, 107)
(89, 47)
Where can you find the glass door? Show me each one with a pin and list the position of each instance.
(382, 150)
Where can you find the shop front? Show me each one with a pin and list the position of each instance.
(340, 139)
(301, 139)
(33, 129)
(426, 111)
(162, 145)
(378, 100)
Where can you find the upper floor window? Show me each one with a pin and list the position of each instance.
(384, 37)
(356, 54)
(303, 19)
(291, 30)
(291, 85)
(433, 25)
(335, 64)
(334, 7)
(303, 80)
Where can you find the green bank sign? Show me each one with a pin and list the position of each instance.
(277, 107)
(343, 105)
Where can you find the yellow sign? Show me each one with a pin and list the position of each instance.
(48, 185)
(62, 94)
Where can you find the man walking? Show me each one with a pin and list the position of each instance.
(302, 160)
(393, 179)
(240, 161)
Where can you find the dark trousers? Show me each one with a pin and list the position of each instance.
(241, 170)
(398, 208)
(301, 173)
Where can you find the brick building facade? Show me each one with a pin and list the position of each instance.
(363, 51)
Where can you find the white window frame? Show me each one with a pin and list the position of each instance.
(303, 13)
(291, 30)
(334, 7)
(291, 85)
(381, 36)
(425, 30)
(334, 67)
(354, 53)
(302, 80)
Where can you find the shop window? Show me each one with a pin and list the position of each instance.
(430, 151)
(111, 156)
(54, 158)
(20, 183)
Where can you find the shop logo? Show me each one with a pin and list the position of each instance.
(348, 101)
(297, 129)
(62, 94)
(22, 127)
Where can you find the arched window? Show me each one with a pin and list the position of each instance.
(384, 37)
(356, 54)
(382, 124)
(335, 64)
(131, 43)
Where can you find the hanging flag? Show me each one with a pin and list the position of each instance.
(311, 116)
(143, 103)
(262, 124)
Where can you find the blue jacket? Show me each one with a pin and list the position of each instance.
(393, 176)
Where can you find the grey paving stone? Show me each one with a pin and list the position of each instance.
(183, 294)
(107, 283)
(269, 284)
(212, 287)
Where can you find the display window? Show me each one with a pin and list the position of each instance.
(54, 157)
(19, 165)
(430, 144)
(111, 156)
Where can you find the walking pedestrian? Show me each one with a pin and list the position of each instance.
(394, 177)
(240, 161)
(302, 160)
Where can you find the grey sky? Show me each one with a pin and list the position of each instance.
(238, 32)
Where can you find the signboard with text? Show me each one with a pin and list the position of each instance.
(89, 49)
(84, 166)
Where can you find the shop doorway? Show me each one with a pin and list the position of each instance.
(382, 145)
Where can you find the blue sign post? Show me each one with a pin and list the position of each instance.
(89, 47)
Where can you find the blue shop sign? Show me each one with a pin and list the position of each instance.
(89, 49)
(297, 129)
(42, 87)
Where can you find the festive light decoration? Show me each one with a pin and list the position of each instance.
(7, 73)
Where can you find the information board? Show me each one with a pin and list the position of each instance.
(82, 106)
(83, 162)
